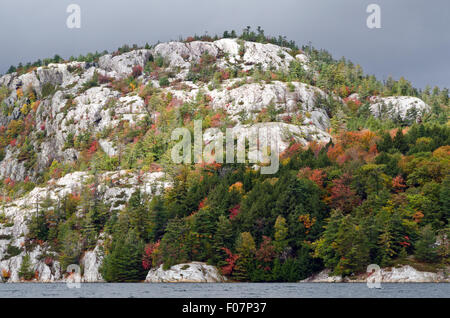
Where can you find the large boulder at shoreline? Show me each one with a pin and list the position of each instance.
(403, 274)
(408, 274)
(323, 277)
(195, 272)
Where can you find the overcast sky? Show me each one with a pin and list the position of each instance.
(414, 40)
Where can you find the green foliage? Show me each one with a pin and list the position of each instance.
(11, 251)
(123, 263)
(92, 82)
(426, 249)
(47, 90)
(25, 270)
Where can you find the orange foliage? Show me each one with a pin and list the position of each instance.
(398, 183)
(238, 186)
(418, 216)
(6, 274)
(354, 146)
(317, 175)
(307, 221)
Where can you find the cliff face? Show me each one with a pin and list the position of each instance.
(70, 106)
(72, 109)
(68, 100)
(19, 211)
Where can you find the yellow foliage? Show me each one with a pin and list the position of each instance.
(442, 152)
(25, 109)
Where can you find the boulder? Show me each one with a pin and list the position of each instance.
(195, 272)
(402, 274)
(408, 274)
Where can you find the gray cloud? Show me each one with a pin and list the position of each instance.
(413, 42)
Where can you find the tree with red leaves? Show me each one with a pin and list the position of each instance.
(341, 196)
(231, 261)
(136, 71)
(149, 259)
(234, 211)
(266, 253)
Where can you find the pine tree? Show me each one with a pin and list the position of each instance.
(246, 248)
(158, 218)
(399, 141)
(89, 232)
(70, 250)
(25, 270)
(425, 247)
(139, 215)
(445, 197)
(222, 239)
(124, 262)
(175, 245)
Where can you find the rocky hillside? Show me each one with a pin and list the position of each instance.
(79, 134)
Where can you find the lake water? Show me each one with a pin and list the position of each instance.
(226, 290)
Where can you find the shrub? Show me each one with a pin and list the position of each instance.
(137, 71)
(47, 90)
(164, 81)
(425, 247)
(11, 251)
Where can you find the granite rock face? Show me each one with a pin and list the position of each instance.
(91, 261)
(122, 65)
(399, 107)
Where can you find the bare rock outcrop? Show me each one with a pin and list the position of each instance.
(195, 272)
(399, 107)
(402, 274)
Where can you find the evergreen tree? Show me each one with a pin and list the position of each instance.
(223, 238)
(425, 247)
(70, 250)
(124, 261)
(158, 218)
(445, 198)
(246, 248)
(25, 271)
(175, 244)
(139, 215)
(399, 141)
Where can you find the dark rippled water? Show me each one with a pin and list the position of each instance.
(242, 290)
